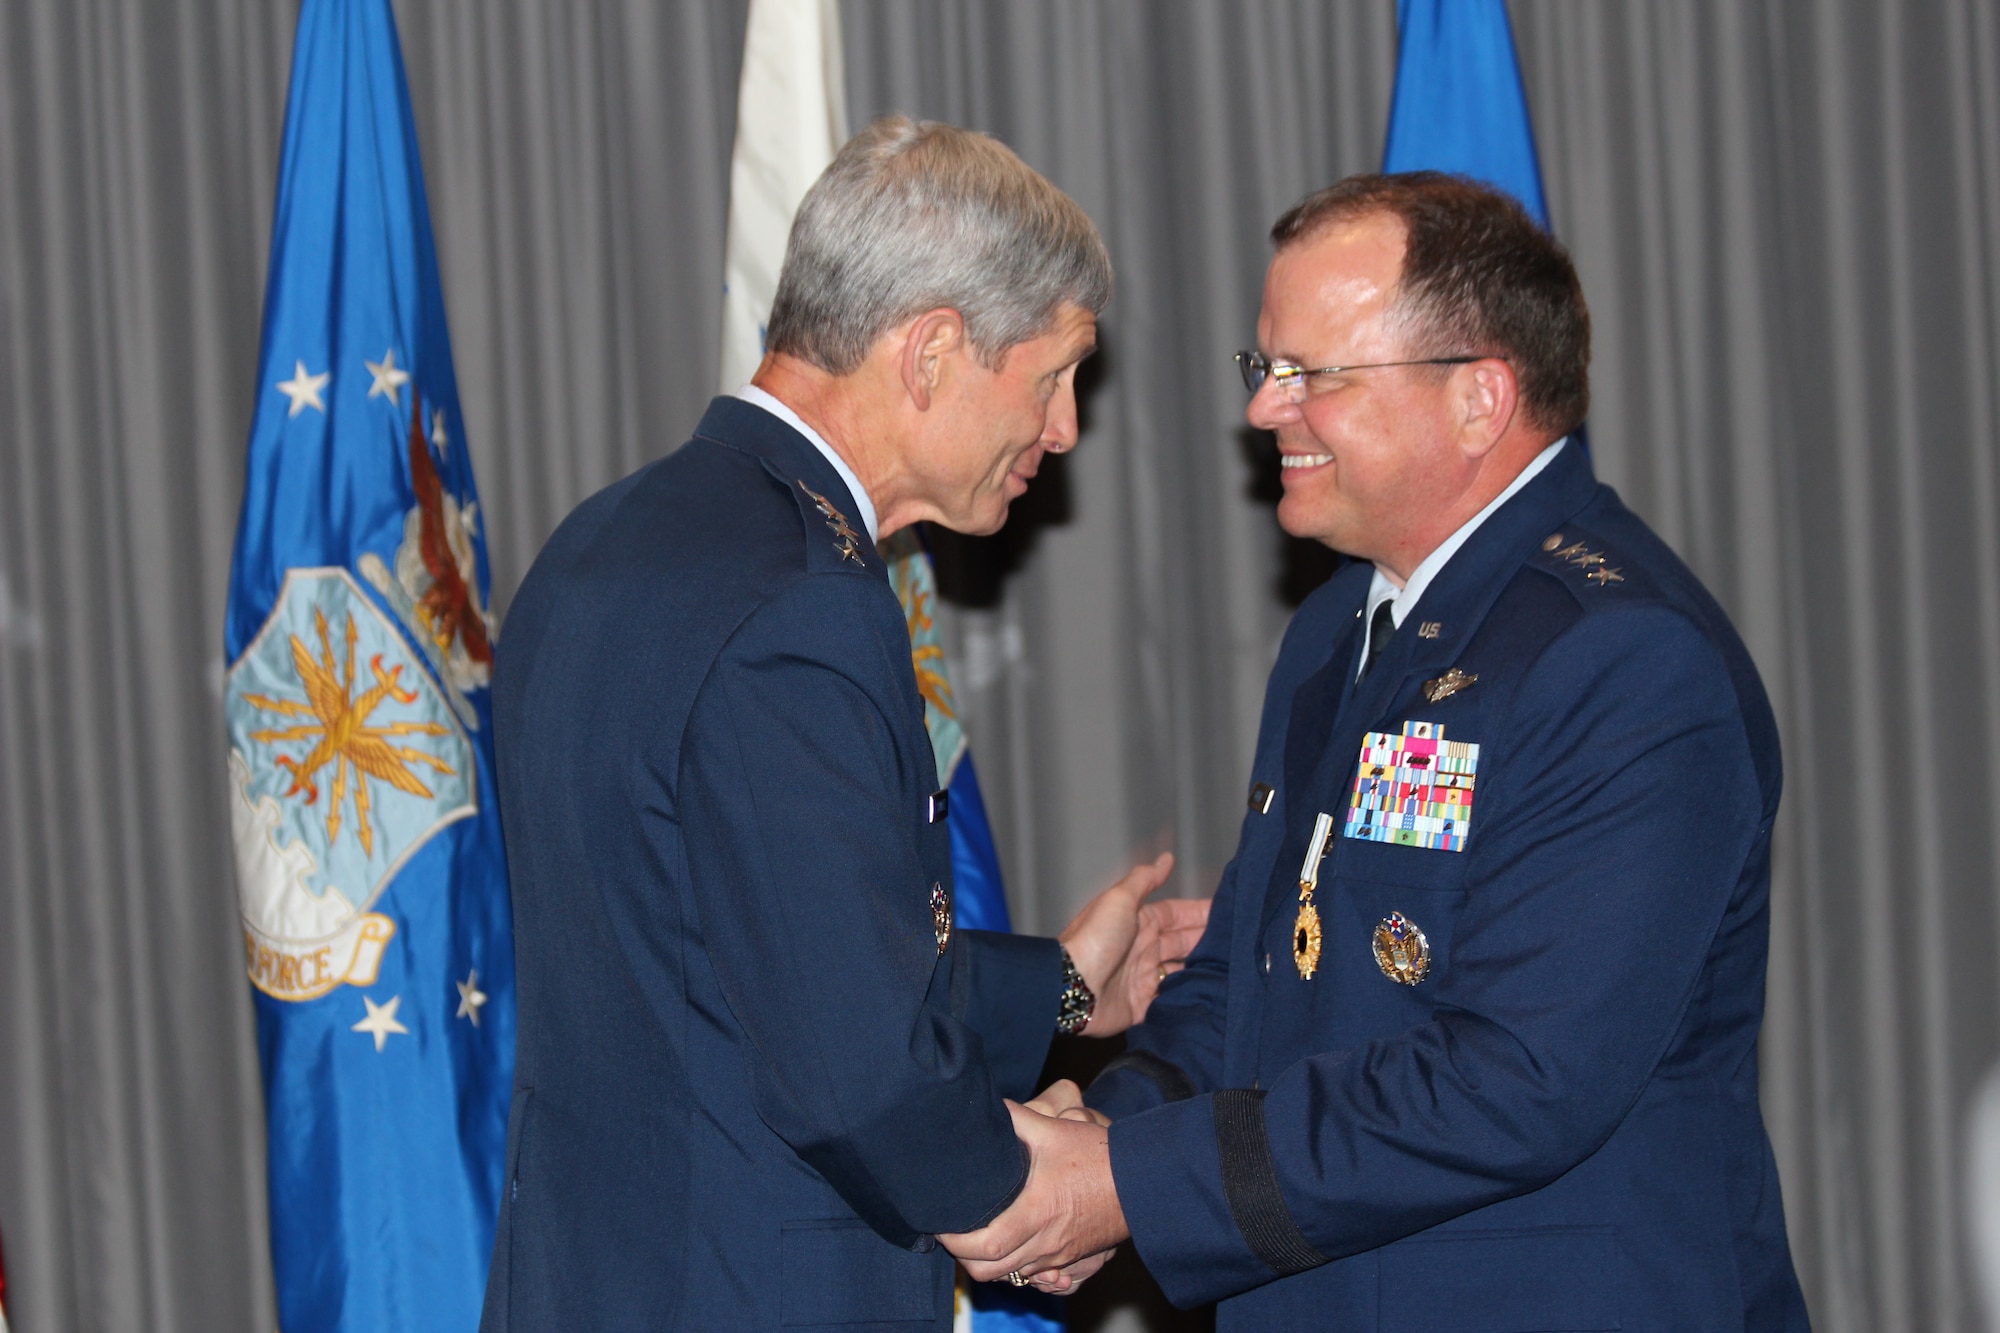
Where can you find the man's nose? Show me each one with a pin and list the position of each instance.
(1271, 407)
(1059, 428)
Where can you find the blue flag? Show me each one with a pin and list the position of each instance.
(376, 923)
(1459, 105)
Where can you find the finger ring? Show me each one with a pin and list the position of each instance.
(1016, 1278)
(1163, 974)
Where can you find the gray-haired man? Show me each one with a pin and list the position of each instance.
(758, 1068)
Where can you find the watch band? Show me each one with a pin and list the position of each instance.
(1078, 1000)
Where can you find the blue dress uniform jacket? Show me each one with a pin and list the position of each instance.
(752, 1082)
(1558, 1127)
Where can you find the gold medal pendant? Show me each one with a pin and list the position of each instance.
(1305, 940)
(1305, 933)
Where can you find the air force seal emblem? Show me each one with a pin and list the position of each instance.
(1401, 950)
(344, 760)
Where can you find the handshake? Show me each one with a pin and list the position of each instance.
(1066, 1221)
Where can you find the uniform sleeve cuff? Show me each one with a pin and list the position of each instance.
(1013, 984)
(1169, 1165)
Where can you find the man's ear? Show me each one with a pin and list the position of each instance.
(1488, 400)
(929, 344)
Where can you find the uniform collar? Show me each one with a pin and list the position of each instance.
(778, 408)
(789, 456)
(1461, 591)
(1403, 600)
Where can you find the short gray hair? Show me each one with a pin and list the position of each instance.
(915, 215)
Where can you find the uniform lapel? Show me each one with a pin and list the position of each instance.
(798, 466)
(1437, 629)
(1331, 710)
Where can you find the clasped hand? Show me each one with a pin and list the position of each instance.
(1067, 1221)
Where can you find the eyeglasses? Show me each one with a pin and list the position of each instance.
(1257, 368)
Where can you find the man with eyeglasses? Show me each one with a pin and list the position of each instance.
(1470, 1042)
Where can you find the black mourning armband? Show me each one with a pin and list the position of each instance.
(1250, 1184)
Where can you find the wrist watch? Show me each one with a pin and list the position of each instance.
(1078, 1001)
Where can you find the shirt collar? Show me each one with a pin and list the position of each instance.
(750, 393)
(1404, 600)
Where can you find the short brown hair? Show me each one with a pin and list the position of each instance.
(1479, 276)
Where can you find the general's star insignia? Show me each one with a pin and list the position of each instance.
(1603, 576)
(381, 1020)
(845, 539)
(1450, 683)
(470, 997)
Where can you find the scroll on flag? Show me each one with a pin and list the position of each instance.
(376, 924)
(791, 119)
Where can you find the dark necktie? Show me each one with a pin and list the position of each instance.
(1381, 626)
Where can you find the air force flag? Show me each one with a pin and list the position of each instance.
(376, 926)
(1459, 105)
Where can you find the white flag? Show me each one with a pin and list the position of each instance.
(791, 118)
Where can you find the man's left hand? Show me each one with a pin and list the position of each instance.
(1125, 947)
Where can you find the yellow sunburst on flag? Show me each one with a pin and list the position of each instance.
(340, 732)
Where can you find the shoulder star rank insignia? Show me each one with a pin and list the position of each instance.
(845, 539)
(941, 916)
(1450, 683)
(1306, 930)
(1602, 576)
(1401, 950)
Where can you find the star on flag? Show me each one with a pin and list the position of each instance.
(470, 997)
(381, 1020)
(303, 389)
(388, 379)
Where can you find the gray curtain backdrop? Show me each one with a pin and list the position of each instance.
(1788, 223)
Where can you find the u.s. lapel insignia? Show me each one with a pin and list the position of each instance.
(1450, 683)
(845, 539)
(1414, 790)
(1401, 950)
(941, 916)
